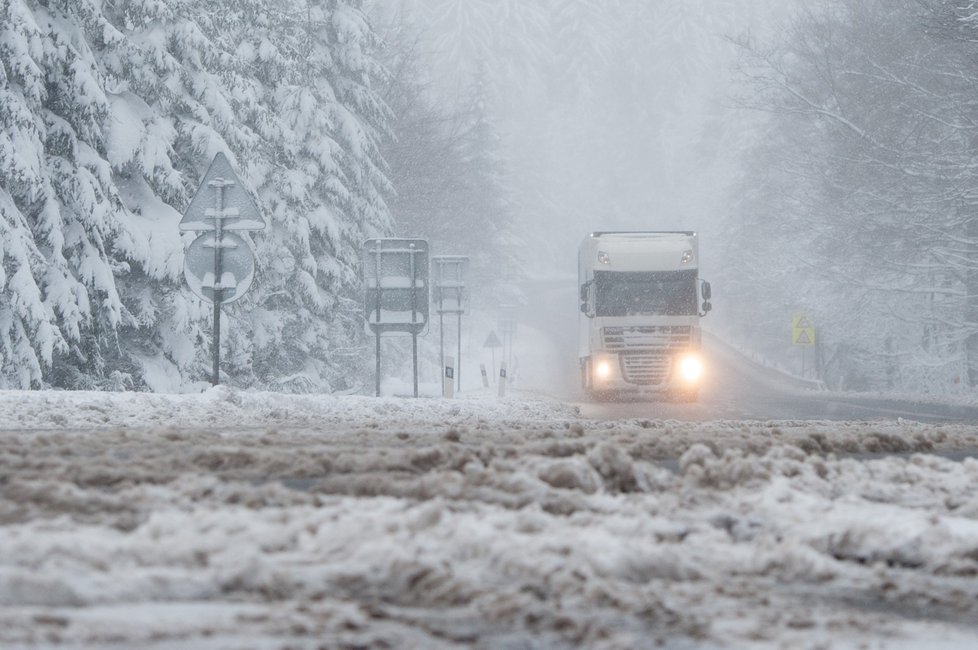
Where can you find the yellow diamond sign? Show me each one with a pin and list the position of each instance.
(802, 330)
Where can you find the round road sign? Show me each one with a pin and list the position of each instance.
(237, 266)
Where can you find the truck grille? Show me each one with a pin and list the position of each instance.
(645, 368)
(661, 337)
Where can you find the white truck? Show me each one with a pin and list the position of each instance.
(641, 300)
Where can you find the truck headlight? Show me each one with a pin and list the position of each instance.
(602, 369)
(691, 367)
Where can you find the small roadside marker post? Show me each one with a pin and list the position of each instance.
(502, 378)
(448, 378)
(449, 284)
(485, 377)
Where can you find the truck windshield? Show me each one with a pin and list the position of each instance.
(671, 293)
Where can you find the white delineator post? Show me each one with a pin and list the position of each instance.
(448, 378)
(485, 377)
(502, 378)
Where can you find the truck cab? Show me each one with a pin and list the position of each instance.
(641, 300)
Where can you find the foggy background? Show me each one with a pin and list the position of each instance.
(609, 115)
(622, 115)
(822, 151)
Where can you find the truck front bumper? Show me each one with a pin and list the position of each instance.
(644, 371)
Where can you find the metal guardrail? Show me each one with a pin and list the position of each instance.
(764, 371)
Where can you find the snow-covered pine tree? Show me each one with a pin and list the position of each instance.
(287, 89)
(323, 187)
(870, 140)
(583, 33)
(59, 308)
(112, 113)
(447, 166)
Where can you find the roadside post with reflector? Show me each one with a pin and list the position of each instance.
(502, 378)
(219, 265)
(448, 378)
(485, 377)
(449, 285)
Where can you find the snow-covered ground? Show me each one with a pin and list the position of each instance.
(254, 520)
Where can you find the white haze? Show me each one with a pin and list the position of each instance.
(640, 133)
(611, 116)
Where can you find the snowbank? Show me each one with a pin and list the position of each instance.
(252, 520)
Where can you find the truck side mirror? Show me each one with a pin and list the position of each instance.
(706, 307)
(585, 298)
(706, 291)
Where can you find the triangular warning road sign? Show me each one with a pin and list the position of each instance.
(803, 323)
(492, 341)
(238, 211)
(803, 338)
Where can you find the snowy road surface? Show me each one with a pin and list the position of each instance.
(737, 389)
(249, 520)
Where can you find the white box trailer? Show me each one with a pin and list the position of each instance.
(641, 300)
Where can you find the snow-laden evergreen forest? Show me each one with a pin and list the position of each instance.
(110, 113)
(857, 199)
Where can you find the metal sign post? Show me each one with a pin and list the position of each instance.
(414, 319)
(395, 275)
(803, 335)
(507, 327)
(449, 282)
(219, 265)
(492, 342)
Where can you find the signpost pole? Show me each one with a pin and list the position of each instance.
(458, 364)
(414, 319)
(218, 185)
(377, 370)
(441, 330)
(509, 358)
(216, 378)
(493, 342)
(378, 319)
(818, 357)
